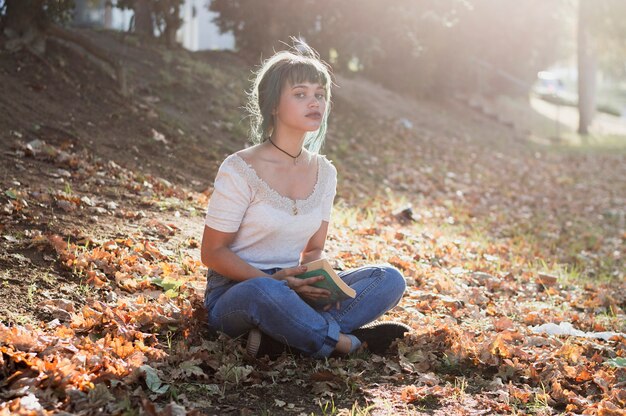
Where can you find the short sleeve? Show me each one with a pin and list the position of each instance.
(229, 201)
(331, 191)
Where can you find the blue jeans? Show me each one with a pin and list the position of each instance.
(278, 311)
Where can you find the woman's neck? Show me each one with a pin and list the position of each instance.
(289, 141)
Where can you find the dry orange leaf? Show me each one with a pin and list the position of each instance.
(503, 323)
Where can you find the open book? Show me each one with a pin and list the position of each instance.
(339, 290)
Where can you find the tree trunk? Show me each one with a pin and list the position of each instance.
(81, 14)
(586, 70)
(169, 36)
(143, 18)
(108, 14)
(24, 25)
(173, 22)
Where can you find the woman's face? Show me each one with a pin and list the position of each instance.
(301, 107)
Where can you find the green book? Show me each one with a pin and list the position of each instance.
(339, 290)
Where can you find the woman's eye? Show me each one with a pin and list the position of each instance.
(320, 96)
(300, 95)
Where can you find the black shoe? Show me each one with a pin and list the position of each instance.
(260, 344)
(378, 336)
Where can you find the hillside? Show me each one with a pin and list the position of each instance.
(102, 203)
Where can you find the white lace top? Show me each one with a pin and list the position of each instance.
(272, 230)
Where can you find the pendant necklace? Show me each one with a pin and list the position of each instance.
(295, 158)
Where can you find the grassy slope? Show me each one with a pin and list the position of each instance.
(483, 200)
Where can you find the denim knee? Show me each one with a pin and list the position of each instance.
(394, 281)
(267, 286)
(260, 288)
(264, 283)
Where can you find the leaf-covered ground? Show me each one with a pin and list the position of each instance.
(503, 244)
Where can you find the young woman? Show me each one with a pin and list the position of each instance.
(269, 214)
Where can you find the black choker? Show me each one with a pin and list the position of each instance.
(295, 158)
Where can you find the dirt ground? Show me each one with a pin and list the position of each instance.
(82, 168)
(178, 125)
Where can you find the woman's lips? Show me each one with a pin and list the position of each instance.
(315, 115)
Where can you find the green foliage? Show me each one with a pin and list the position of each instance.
(58, 10)
(42, 12)
(153, 381)
(619, 362)
(171, 287)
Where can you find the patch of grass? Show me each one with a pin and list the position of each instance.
(172, 204)
(353, 217)
(85, 290)
(539, 403)
(460, 386)
(173, 122)
(451, 365)
(167, 79)
(168, 56)
(564, 272)
(357, 410)
(19, 319)
(265, 411)
(127, 408)
(210, 72)
(575, 274)
(340, 148)
(327, 407)
(132, 40)
(48, 278)
(573, 143)
(427, 403)
(611, 320)
(237, 125)
(32, 289)
(203, 389)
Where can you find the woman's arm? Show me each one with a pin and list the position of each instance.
(313, 251)
(315, 246)
(216, 255)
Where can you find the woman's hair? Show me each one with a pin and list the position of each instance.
(299, 64)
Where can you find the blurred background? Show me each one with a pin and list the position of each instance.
(570, 55)
(481, 149)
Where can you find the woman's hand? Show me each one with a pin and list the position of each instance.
(303, 287)
(328, 307)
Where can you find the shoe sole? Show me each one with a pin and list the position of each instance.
(253, 343)
(377, 324)
(396, 331)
